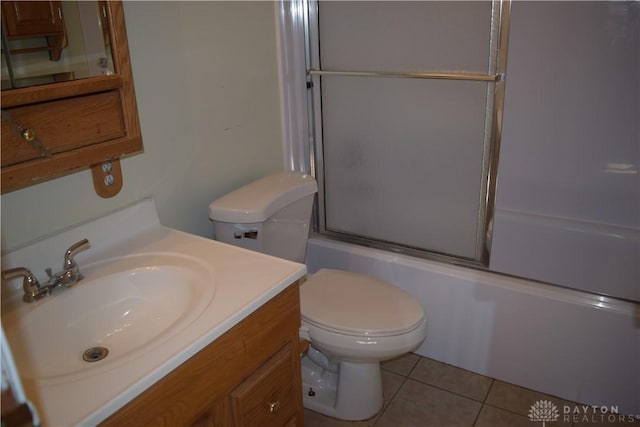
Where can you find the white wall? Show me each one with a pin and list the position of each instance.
(206, 79)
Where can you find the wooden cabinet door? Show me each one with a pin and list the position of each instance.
(32, 18)
(269, 396)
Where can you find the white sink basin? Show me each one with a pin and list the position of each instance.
(127, 305)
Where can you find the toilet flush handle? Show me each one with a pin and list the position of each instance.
(251, 234)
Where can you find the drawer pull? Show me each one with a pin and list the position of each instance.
(273, 406)
(28, 135)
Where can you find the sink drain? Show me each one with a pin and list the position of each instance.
(95, 354)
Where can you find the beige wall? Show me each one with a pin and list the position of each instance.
(206, 78)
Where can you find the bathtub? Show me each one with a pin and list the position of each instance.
(586, 255)
(570, 344)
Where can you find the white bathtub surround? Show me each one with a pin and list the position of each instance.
(571, 344)
(568, 192)
(585, 255)
(243, 281)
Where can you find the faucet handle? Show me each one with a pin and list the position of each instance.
(69, 262)
(12, 273)
(30, 284)
(70, 270)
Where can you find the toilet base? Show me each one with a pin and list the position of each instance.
(344, 390)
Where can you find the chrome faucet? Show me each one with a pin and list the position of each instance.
(69, 276)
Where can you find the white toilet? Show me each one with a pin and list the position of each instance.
(353, 321)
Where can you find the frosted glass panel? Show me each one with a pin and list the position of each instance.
(397, 35)
(403, 160)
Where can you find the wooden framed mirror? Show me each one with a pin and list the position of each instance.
(54, 129)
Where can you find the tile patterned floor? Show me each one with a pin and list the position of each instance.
(421, 392)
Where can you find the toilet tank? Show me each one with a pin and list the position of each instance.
(270, 215)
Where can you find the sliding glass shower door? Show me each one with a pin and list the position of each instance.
(407, 98)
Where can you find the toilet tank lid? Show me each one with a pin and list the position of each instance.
(257, 201)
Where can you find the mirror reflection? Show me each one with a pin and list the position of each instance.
(52, 41)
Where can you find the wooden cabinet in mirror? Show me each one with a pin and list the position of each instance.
(55, 129)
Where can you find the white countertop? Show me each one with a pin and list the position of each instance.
(244, 281)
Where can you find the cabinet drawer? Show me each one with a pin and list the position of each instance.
(63, 125)
(268, 397)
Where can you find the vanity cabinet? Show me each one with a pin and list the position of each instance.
(249, 377)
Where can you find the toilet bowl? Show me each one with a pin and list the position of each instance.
(353, 321)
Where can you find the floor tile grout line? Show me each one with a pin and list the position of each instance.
(491, 379)
(448, 365)
(409, 377)
(413, 368)
(512, 412)
(404, 380)
(475, 420)
(486, 396)
(484, 401)
(386, 406)
(445, 390)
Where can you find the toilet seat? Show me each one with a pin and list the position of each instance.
(349, 303)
